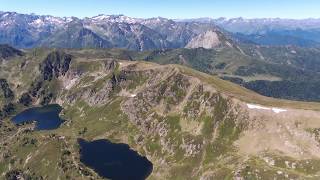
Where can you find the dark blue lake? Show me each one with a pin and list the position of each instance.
(114, 161)
(46, 117)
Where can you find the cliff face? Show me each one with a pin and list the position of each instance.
(6, 97)
(7, 51)
(207, 40)
(7, 92)
(56, 64)
(188, 124)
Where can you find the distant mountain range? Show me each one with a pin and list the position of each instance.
(270, 31)
(119, 31)
(104, 31)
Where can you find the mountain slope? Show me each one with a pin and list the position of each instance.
(189, 124)
(282, 72)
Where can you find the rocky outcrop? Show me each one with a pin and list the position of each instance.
(7, 92)
(25, 99)
(7, 51)
(6, 104)
(207, 40)
(171, 99)
(7, 110)
(43, 89)
(56, 64)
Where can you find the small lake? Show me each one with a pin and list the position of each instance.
(114, 161)
(46, 117)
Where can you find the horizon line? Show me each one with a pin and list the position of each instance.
(175, 19)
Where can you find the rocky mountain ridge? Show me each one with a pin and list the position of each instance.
(120, 31)
(102, 31)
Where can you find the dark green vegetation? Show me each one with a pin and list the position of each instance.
(281, 72)
(282, 38)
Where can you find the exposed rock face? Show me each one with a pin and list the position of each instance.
(25, 99)
(56, 64)
(207, 40)
(6, 104)
(8, 51)
(170, 92)
(7, 110)
(7, 92)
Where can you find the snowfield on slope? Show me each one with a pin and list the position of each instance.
(274, 109)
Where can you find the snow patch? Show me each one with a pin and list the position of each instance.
(5, 15)
(275, 110)
(133, 95)
(37, 23)
(101, 17)
(293, 52)
(68, 19)
(4, 23)
(115, 19)
(253, 106)
(54, 20)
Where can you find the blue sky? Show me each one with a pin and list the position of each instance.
(297, 9)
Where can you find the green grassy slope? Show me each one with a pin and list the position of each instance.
(185, 121)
